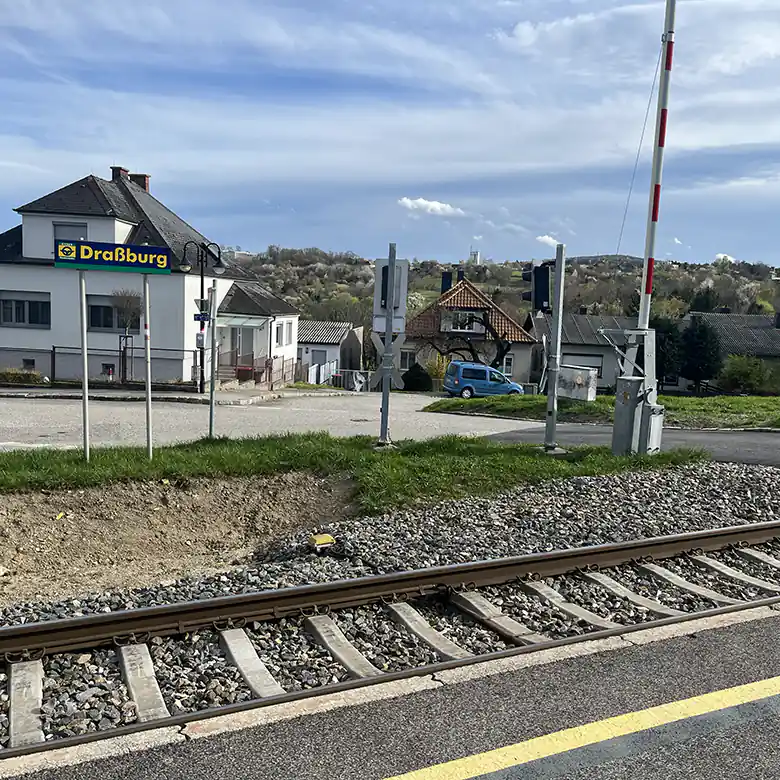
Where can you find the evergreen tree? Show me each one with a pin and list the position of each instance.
(668, 348)
(702, 358)
(705, 299)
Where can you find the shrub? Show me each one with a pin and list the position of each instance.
(743, 374)
(19, 376)
(417, 379)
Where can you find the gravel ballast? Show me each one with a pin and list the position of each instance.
(531, 518)
(4, 703)
(599, 600)
(194, 674)
(292, 656)
(459, 628)
(388, 646)
(692, 572)
(748, 566)
(535, 614)
(654, 588)
(84, 692)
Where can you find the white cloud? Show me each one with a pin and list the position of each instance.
(548, 240)
(433, 207)
(677, 241)
(477, 238)
(722, 257)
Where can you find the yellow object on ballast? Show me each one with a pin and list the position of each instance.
(320, 542)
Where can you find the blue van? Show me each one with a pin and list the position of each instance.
(473, 379)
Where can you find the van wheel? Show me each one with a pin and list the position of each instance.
(467, 392)
(513, 392)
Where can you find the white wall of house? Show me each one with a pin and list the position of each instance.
(288, 348)
(521, 358)
(61, 287)
(38, 232)
(332, 352)
(521, 362)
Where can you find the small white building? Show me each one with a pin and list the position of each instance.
(321, 342)
(39, 304)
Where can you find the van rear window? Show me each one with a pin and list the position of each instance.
(450, 370)
(474, 373)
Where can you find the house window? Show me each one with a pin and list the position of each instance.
(288, 333)
(279, 335)
(25, 309)
(70, 231)
(103, 315)
(463, 320)
(584, 361)
(509, 364)
(28, 364)
(408, 359)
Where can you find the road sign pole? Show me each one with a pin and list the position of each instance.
(554, 358)
(148, 359)
(387, 355)
(213, 380)
(84, 363)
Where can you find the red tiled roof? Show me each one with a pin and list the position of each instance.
(465, 296)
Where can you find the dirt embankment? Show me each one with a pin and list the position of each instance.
(67, 542)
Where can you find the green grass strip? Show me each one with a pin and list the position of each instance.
(710, 412)
(447, 467)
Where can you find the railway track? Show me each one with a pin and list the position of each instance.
(86, 678)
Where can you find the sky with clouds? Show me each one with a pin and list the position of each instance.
(506, 125)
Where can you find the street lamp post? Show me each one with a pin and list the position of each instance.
(202, 252)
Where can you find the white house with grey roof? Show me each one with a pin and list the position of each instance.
(39, 304)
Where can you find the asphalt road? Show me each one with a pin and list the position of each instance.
(42, 422)
(382, 739)
(732, 446)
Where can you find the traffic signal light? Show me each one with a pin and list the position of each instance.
(539, 295)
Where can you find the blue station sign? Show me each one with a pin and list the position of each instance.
(90, 255)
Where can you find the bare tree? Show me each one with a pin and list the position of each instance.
(128, 306)
(490, 351)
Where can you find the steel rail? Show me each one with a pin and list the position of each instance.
(34, 640)
(178, 721)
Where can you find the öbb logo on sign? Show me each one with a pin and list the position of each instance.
(116, 257)
(66, 251)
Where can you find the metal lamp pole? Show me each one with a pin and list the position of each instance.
(203, 251)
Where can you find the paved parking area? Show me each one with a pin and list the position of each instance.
(38, 422)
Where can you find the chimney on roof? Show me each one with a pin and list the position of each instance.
(446, 281)
(583, 309)
(461, 273)
(777, 319)
(141, 179)
(118, 172)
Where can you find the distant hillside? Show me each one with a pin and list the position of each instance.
(339, 285)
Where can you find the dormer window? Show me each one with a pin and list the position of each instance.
(463, 320)
(70, 231)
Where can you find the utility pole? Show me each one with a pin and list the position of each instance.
(554, 358)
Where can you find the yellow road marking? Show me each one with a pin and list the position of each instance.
(593, 733)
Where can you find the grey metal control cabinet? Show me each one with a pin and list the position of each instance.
(651, 428)
(626, 428)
